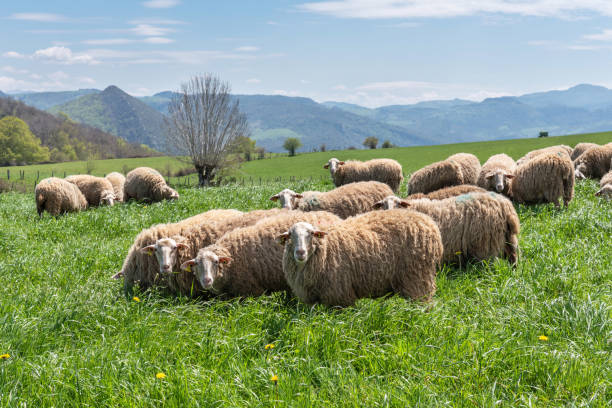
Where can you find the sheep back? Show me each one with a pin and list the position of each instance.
(470, 166)
(596, 161)
(545, 150)
(448, 192)
(93, 188)
(147, 184)
(57, 196)
(386, 171)
(581, 148)
(434, 177)
(118, 181)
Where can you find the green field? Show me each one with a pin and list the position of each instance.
(305, 165)
(75, 340)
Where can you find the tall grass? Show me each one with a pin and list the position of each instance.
(75, 340)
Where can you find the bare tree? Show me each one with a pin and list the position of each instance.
(204, 123)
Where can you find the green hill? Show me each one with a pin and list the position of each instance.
(116, 112)
(45, 100)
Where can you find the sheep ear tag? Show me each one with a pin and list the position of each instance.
(318, 234)
(282, 238)
(149, 250)
(186, 266)
(225, 260)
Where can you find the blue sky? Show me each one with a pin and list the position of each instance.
(369, 52)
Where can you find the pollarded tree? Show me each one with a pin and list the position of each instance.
(18, 145)
(291, 145)
(204, 123)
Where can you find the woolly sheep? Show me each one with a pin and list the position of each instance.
(594, 163)
(581, 148)
(550, 149)
(247, 261)
(544, 179)
(369, 255)
(118, 181)
(497, 173)
(147, 184)
(344, 201)
(605, 185)
(448, 192)
(57, 196)
(470, 166)
(386, 171)
(434, 177)
(473, 225)
(97, 190)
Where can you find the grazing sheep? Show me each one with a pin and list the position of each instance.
(247, 261)
(97, 190)
(118, 181)
(435, 176)
(470, 166)
(544, 179)
(344, 201)
(57, 196)
(448, 192)
(605, 185)
(581, 148)
(594, 163)
(550, 149)
(473, 225)
(146, 184)
(497, 173)
(386, 171)
(370, 255)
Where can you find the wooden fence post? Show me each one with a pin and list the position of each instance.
(8, 174)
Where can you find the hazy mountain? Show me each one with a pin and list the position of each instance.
(580, 96)
(116, 112)
(45, 100)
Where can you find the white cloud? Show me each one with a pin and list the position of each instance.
(271, 23)
(605, 35)
(35, 76)
(40, 17)
(13, 54)
(13, 70)
(63, 55)
(149, 30)
(285, 93)
(58, 76)
(253, 81)
(11, 84)
(158, 40)
(247, 48)
(161, 3)
(108, 41)
(160, 56)
(384, 9)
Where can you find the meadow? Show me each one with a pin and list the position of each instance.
(536, 335)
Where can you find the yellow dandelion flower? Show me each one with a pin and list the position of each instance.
(4, 356)
(160, 376)
(543, 338)
(136, 299)
(274, 378)
(269, 346)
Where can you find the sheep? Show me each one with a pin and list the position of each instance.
(448, 192)
(174, 243)
(474, 225)
(147, 184)
(370, 255)
(605, 185)
(386, 171)
(544, 179)
(345, 201)
(545, 150)
(97, 190)
(497, 173)
(594, 163)
(57, 196)
(470, 166)
(581, 148)
(247, 261)
(435, 176)
(118, 181)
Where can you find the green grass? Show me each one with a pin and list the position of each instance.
(76, 341)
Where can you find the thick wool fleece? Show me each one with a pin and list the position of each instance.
(499, 163)
(57, 196)
(470, 166)
(386, 171)
(448, 192)
(581, 148)
(546, 150)
(93, 188)
(370, 255)
(434, 177)
(146, 184)
(118, 181)
(595, 162)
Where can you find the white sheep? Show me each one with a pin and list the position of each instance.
(147, 184)
(497, 173)
(386, 171)
(57, 196)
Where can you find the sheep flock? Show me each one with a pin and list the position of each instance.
(358, 240)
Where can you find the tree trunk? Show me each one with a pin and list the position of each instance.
(206, 174)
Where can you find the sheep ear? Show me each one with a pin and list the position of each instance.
(378, 205)
(274, 197)
(318, 234)
(341, 162)
(404, 203)
(225, 260)
(298, 196)
(182, 246)
(282, 238)
(599, 192)
(186, 266)
(510, 176)
(489, 175)
(149, 249)
(326, 166)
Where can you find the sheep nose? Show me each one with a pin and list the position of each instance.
(207, 281)
(300, 252)
(166, 267)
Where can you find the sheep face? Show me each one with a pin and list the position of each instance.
(390, 202)
(499, 180)
(165, 251)
(333, 164)
(206, 267)
(580, 171)
(108, 198)
(169, 193)
(301, 238)
(288, 199)
(605, 192)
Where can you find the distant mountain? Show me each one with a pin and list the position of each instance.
(45, 100)
(68, 140)
(3, 95)
(580, 96)
(116, 112)
(159, 101)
